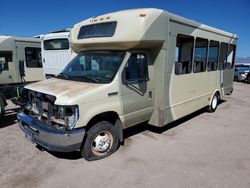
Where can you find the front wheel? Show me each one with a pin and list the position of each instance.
(101, 141)
(214, 103)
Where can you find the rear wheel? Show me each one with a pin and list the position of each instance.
(101, 141)
(214, 103)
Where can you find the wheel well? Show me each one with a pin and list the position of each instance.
(105, 116)
(111, 117)
(218, 94)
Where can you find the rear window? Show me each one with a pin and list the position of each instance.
(106, 29)
(56, 44)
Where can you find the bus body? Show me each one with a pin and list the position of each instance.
(56, 52)
(20, 63)
(132, 66)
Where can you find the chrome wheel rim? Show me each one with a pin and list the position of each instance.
(102, 143)
(214, 102)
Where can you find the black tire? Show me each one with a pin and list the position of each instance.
(108, 137)
(236, 79)
(214, 103)
(2, 107)
(248, 78)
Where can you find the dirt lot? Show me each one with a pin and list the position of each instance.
(201, 150)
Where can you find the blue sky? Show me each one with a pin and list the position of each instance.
(33, 17)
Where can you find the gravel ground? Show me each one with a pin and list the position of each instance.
(201, 150)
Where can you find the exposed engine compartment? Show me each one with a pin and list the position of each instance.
(41, 106)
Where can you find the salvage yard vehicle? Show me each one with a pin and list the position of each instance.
(240, 73)
(133, 66)
(56, 52)
(20, 63)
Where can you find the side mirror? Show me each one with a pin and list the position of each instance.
(21, 68)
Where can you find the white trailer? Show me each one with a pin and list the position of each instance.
(56, 52)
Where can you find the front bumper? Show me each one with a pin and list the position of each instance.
(48, 137)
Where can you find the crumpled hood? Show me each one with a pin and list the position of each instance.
(64, 90)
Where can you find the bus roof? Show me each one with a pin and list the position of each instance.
(23, 39)
(134, 28)
(192, 23)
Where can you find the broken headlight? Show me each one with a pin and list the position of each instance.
(66, 116)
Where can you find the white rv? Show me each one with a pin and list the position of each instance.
(56, 52)
(20, 63)
(133, 66)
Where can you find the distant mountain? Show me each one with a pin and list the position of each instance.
(240, 60)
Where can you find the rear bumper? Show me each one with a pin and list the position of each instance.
(48, 137)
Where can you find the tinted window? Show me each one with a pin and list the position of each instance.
(184, 53)
(56, 44)
(213, 56)
(136, 67)
(33, 57)
(200, 55)
(230, 56)
(5, 58)
(223, 56)
(97, 30)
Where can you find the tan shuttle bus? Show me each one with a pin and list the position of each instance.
(132, 66)
(20, 63)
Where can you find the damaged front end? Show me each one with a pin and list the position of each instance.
(49, 125)
(41, 106)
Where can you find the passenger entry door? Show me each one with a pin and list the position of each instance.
(226, 64)
(29, 60)
(136, 90)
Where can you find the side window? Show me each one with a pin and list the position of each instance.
(213, 56)
(5, 58)
(95, 64)
(33, 57)
(136, 68)
(223, 56)
(200, 55)
(184, 53)
(230, 56)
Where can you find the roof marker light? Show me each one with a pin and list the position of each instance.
(142, 15)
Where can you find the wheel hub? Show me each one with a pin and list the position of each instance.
(102, 142)
(214, 102)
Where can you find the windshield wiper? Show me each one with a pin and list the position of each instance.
(63, 75)
(88, 77)
(91, 78)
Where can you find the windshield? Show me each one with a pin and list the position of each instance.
(93, 66)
